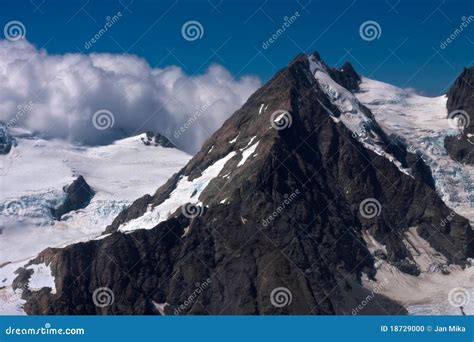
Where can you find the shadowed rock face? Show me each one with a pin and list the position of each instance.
(461, 98)
(78, 196)
(156, 139)
(6, 140)
(347, 77)
(290, 219)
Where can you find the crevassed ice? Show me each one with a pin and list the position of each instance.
(422, 122)
(33, 183)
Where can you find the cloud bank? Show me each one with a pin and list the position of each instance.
(57, 96)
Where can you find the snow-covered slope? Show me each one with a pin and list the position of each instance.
(32, 178)
(433, 292)
(352, 115)
(422, 123)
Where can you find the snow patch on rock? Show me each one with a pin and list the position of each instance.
(247, 152)
(186, 191)
(41, 277)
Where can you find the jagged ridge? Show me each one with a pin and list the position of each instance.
(461, 98)
(314, 247)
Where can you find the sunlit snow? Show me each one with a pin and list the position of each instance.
(422, 122)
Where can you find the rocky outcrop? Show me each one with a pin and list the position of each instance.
(347, 77)
(460, 106)
(156, 139)
(78, 196)
(6, 140)
(286, 224)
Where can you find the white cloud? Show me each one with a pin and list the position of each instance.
(62, 92)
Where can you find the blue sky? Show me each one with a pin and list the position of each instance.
(407, 52)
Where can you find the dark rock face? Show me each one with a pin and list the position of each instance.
(461, 100)
(157, 139)
(290, 219)
(6, 140)
(78, 196)
(460, 148)
(347, 77)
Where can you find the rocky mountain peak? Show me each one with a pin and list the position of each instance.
(347, 77)
(77, 196)
(276, 198)
(156, 139)
(460, 107)
(461, 93)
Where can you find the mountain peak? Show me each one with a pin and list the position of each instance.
(460, 107)
(347, 77)
(274, 198)
(303, 57)
(349, 70)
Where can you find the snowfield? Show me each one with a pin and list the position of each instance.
(430, 293)
(422, 123)
(32, 180)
